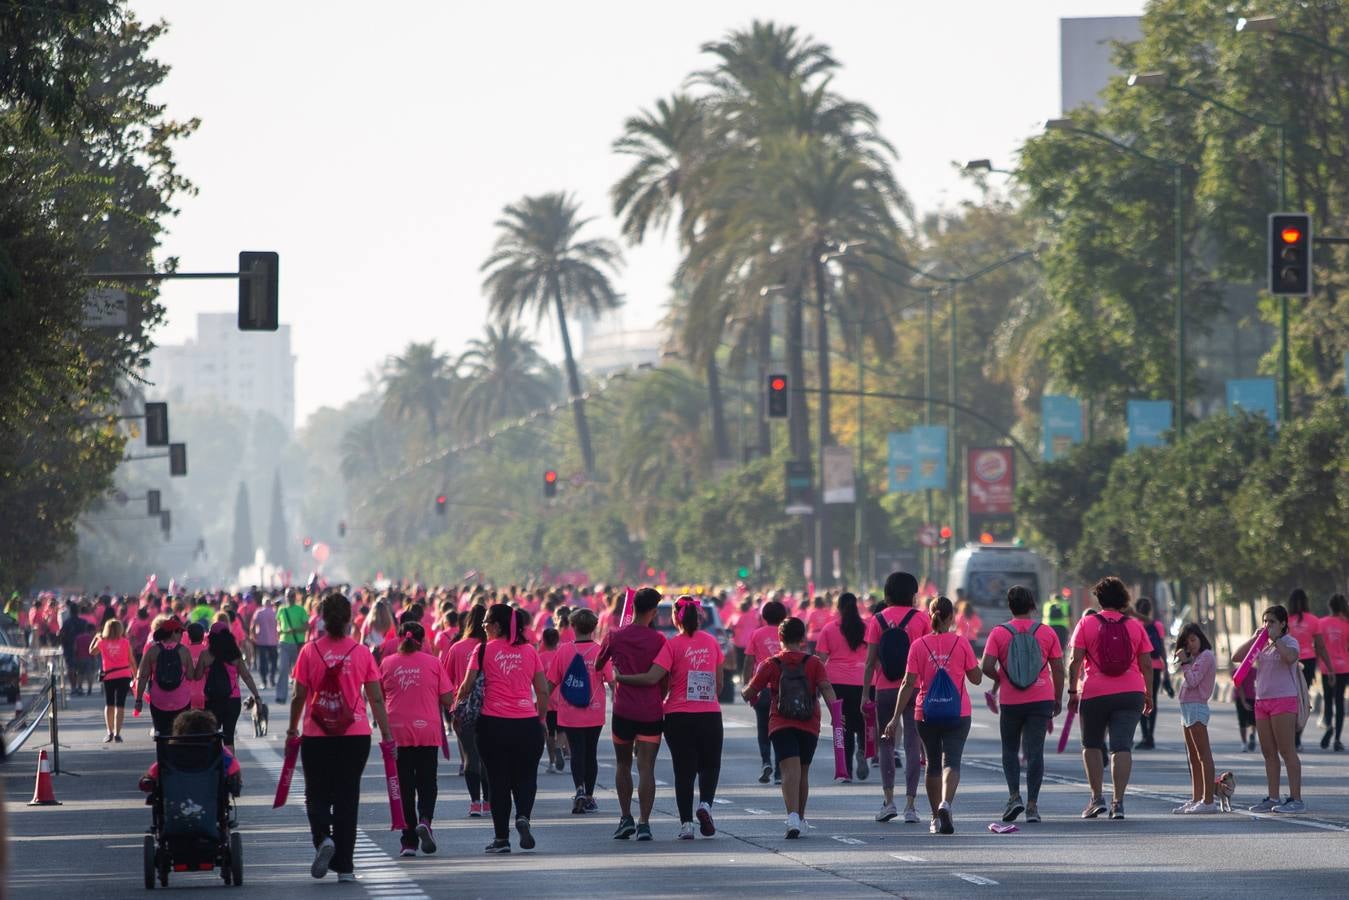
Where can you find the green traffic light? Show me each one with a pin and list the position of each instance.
(742, 572)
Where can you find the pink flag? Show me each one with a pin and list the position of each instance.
(397, 822)
(1244, 669)
(287, 772)
(991, 700)
(629, 611)
(840, 754)
(869, 713)
(445, 743)
(1067, 730)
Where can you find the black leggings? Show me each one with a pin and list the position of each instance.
(1024, 725)
(115, 691)
(163, 719)
(695, 750)
(332, 791)
(585, 757)
(1149, 722)
(1341, 682)
(226, 713)
(511, 750)
(475, 775)
(944, 743)
(1328, 692)
(763, 705)
(854, 726)
(417, 780)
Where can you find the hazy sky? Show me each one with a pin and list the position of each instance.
(373, 145)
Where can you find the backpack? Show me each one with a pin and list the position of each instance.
(467, 711)
(1158, 648)
(894, 646)
(575, 685)
(795, 699)
(1024, 659)
(941, 703)
(168, 669)
(1114, 646)
(330, 708)
(217, 685)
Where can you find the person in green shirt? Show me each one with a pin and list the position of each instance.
(202, 612)
(1055, 614)
(292, 626)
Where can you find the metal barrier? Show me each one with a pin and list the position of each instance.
(50, 697)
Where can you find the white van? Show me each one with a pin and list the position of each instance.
(985, 572)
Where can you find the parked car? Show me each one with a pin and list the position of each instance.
(12, 668)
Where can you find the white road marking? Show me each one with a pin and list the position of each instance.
(975, 879)
(844, 839)
(721, 801)
(755, 811)
(907, 857)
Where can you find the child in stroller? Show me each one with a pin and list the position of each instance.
(190, 786)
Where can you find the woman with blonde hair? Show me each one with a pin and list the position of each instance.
(114, 651)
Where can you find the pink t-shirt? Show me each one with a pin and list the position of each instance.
(546, 657)
(456, 660)
(1155, 627)
(845, 665)
(1305, 627)
(816, 622)
(413, 684)
(919, 625)
(1275, 678)
(693, 662)
(1088, 637)
(1335, 635)
(969, 626)
(509, 670)
(744, 628)
(116, 653)
(569, 716)
(998, 642)
(945, 651)
(356, 668)
(763, 644)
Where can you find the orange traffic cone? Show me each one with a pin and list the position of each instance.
(43, 795)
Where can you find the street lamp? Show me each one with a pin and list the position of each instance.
(984, 165)
(1163, 80)
(1177, 182)
(1270, 25)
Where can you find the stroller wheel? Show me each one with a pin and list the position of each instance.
(149, 862)
(237, 858)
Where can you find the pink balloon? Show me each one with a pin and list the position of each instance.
(321, 552)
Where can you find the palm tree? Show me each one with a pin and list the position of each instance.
(539, 264)
(503, 376)
(420, 382)
(360, 450)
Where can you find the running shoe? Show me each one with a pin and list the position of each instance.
(117, 739)
(685, 831)
(766, 775)
(843, 779)
(626, 829)
(1325, 738)
(944, 817)
(424, 835)
(1200, 808)
(1116, 809)
(1145, 745)
(862, 769)
(934, 827)
(887, 813)
(408, 852)
(346, 877)
(777, 778)
(1265, 805)
(108, 738)
(706, 826)
(475, 810)
(591, 805)
(1251, 743)
(501, 846)
(1013, 809)
(910, 816)
(1032, 813)
(526, 836)
(1337, 747)
(1094, 808)
(578, 805)
(644, 832)
(793, 826)
(1290, 807)
(323, 855)
(1185, 807)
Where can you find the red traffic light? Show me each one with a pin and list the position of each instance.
(441, 500)
(778, 384)
(986, 538)
(308, 542)
(946, 532)
(550, 477)
(1290, 235)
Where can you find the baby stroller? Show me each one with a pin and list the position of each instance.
(193, 812)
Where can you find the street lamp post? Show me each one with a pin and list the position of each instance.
(1179, 204)
(1270, 25)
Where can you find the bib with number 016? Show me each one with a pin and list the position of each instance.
(701, 687)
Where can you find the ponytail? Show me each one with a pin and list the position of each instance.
(688, 614)
(850, 623)
(413, 636)
(941, 610)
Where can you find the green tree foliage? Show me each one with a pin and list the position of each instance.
(419, 382)
(1054, 498)
(242, 548)
(503, 377)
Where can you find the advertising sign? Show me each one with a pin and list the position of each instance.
(900, 462)
(1060, 424)
(992, 481)
(838, 475)
(1254, 394)
(929, 457)
(1148, 421)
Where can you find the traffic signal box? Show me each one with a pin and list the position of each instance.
(1290, 254)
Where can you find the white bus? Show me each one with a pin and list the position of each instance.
(985, 571)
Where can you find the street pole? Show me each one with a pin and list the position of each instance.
(859, 480)
(952, 478)
(1176, 178)
(927, 416)
(1285, 404)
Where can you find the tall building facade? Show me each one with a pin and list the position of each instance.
(252, 371)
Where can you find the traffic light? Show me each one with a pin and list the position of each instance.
(342, 529)
(166, 522)
(307, 543)
(776, 398)
(258, 290)
(945, 534)
(442, 504)
(1290, 254)
(177, 460)
(550, 483)
(156, 424)
(152, 503)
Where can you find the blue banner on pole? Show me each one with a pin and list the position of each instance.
(900, 463)
(1060, 423)
(929, 457)
(1255, 394)
(1148, 421)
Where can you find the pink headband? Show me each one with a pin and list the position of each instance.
(684, 603)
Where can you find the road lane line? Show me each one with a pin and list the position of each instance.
(907, 857)
(975, 879)
(755, 811)
(844, 839)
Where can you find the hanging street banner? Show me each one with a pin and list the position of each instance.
(1255, 394)
(929, 457)
(1149, 421)
(800, 497)
(838, 475)
(900, 461)
(990, 491)
(1060, 424)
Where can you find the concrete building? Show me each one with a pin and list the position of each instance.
(1086, 48)
(252, 371)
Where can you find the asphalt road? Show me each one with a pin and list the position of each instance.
(91, 845)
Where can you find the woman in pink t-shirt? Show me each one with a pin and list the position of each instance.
(510, 728)
(416, 687)
(555, 740)
(842, 647)
(336, 742)
(1334, 633)
(112, 647)
(581, 724)
(455, 662)
(692, 661)
(1306, 630)
(165, 702)
(1277, 697)
(933, 659)
(1025, 710)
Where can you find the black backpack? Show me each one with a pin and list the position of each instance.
(894, 647)
(217, 685)
(1158, 647)
(168, 668)
(795, 699)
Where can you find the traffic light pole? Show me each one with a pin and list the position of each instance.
(929, 565)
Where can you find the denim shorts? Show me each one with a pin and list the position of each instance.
(1194, 714)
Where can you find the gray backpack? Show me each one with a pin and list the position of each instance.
(1025, 659)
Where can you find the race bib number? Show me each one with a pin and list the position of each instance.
(702, 687)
